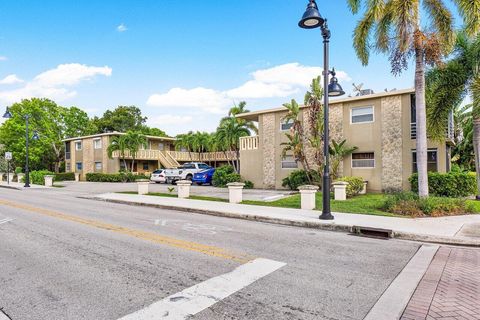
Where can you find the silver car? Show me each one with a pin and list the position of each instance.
(158, 176)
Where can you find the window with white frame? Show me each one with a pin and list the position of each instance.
(78, 145)
(161, 146)
(363, 160)
(432, 160)
(286, 125)
(97, 143)
(79, 166)
(67, 167)
(288, 162)
(362, 114)
(98, 166)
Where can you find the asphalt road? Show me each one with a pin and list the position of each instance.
(67, 258)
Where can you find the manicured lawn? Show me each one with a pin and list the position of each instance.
(364, 204)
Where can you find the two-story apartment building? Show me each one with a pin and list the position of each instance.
(89, 154)
(382, 126)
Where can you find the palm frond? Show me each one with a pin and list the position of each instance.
(354, 5)
(470, 12)
(442, 21)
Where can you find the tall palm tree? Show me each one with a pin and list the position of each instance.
(134, 141)
(236, 110)
(397, 30)
(450, 83)
(185, 141)
(118, 143)
(229, 133)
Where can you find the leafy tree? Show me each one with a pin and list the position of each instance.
(338, 151)
(153, 132)
(122, 119)
(185, 141)
(397, 29)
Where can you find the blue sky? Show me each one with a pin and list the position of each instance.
(182, 62)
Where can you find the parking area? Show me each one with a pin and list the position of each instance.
(91, 188)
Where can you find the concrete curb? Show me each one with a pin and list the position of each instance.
(294, 223)
(10, 187)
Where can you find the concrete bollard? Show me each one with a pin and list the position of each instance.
(142, 186)
(307, 196)
(20, 176)
(77, 177)
(48, 181)
(184, 188)
(340, 190)
(364, 190)
(235, 192)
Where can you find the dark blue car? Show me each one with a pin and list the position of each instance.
(203, 177)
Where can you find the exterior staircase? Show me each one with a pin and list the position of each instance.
(167, 161)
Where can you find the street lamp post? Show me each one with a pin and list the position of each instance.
(312, 19)
(8, 115)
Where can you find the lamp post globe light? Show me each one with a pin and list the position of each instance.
(35, 137)
(312, 19)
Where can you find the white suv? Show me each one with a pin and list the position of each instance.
(158, 176)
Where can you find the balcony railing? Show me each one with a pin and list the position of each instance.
(180, 156)
(449, 134)
(249, 143)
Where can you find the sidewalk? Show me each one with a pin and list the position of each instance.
(19, 186)
(450, 289)
(461, 230)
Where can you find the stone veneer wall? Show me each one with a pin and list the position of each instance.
(268, 150)
(88, 156)
(336, 127)
(105, 162)
(392, 145)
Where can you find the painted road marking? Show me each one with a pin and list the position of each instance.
(147, 236)
(3, 316)
(5, 220)
(193, 300)
(208, 229)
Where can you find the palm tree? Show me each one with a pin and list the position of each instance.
(185, 141)
(398, 31)
(338, 151)
(450, 83)
(236, 110)
(229, 133)
(134, 141)
(118, 143)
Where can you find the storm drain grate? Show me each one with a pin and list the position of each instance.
(372, 232)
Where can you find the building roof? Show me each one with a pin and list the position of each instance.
(253, 116)
(115, 133)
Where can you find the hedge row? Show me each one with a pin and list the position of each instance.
(116, 177)
(66, 176)
(451, 185)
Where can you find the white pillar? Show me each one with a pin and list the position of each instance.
(48, 181)
(10, 177)
(184, 188)
(235, 192)
(308, 196)
(1, 176)
(20, 176)
(77, 177)
(142, 186)
(364, 190)
(340, 190)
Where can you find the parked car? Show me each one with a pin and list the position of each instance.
(158, 176)
(204, 177)
(185, 172)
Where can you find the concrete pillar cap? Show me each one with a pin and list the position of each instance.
(143, 181)
(340, 183)
(184, 182)
(236, 184)
(308, 187)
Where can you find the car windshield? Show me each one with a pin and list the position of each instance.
(157, 171)
(203, 166)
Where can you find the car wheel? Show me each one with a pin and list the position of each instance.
(157, 182)
(189, 177)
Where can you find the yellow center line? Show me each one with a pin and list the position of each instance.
(147, 236)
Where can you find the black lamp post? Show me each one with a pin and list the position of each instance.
(312, 19)
(8, 115)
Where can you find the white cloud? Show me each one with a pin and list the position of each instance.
(122, 28)
(11, 79)
(208, 100)
(55, 83)
(277, 82)
(3, 58)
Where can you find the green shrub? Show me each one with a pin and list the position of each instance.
(65, 176)
(116, 177)
(452, 184)
(38, 177)
(248, 184)
(299, 178)
(224, 175)
(410, 204)
(18, 170)
(355, 185)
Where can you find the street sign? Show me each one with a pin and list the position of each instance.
(8, 156)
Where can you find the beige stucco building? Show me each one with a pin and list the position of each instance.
(382, 126)
(89, 154)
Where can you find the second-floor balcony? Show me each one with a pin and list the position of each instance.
(179, 156)
(449, 134)
(249, 143)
